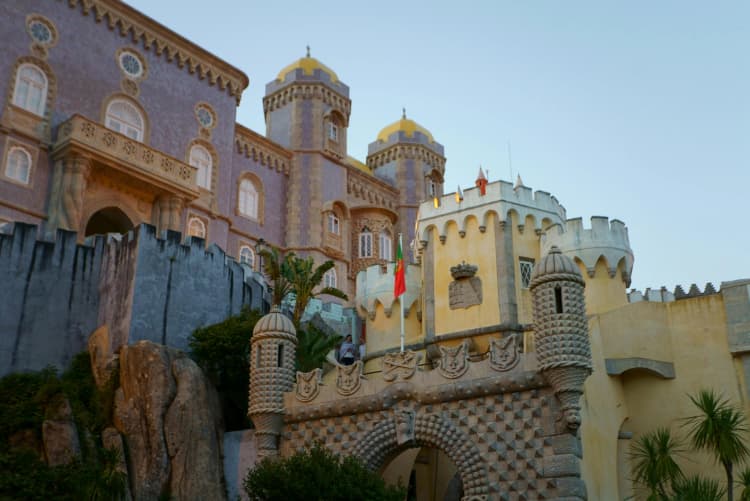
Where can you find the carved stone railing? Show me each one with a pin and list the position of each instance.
(127, 155)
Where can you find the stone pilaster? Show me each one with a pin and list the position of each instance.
(167, 213)
(506, 277)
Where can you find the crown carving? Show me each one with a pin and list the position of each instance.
(463, 270)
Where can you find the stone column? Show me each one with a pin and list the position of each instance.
(69, 183)
(506, 276)
(166, 213)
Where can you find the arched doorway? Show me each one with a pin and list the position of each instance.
(428, 473)
(108, 220)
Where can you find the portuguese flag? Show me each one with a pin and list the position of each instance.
(399, 283)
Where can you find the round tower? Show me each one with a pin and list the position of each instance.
(561, 330)
(271, 375)
(406, 156)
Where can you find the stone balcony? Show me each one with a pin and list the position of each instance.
(133, 159)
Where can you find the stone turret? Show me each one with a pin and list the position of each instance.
(271, 374)
(561, 330)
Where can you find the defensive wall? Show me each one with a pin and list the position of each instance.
(56, 292)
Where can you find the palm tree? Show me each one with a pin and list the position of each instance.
(305, 279)
(278, 270)
(698, 488)
(653, 462)
(719, 429)
(745, 483)
(313, 347)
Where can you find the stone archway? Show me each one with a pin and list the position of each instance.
(407, 430)
(108, 220)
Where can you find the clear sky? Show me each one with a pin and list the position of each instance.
(635, 110)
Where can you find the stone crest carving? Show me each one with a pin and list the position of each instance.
(401, 365)
(308, 385)
(466, 289)
(454, 361)
(504, 353)
(348, 378)
(405, 426)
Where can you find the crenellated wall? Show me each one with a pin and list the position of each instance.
(143, 287)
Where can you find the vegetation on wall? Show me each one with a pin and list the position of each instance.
(718, 428)
(315, 474)
(26, 400)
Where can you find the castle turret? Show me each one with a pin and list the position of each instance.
(407, 156)
(271, 374)
(561, 330)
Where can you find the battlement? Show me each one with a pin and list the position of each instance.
(501, 199)
(663, 295)
(604, 240)
(375, 286)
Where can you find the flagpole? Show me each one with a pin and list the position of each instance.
(400, 299)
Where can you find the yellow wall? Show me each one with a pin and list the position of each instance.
(475, 248)
(602, 292)
(525, 244)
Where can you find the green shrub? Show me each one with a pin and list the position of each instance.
(317, 474)
(223, 352)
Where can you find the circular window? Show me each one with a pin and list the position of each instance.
(40, 30)
(205, 116)
(131, 64)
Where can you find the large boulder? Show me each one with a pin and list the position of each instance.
(169, 414)
(103, 360)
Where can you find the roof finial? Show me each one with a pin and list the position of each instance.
(403, 113)
(308, 50)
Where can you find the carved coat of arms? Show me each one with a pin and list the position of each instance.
(308, 385)
(504, 353)
(348, 378)
(454, 362)
(400, 365)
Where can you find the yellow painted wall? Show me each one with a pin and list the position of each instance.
(602, 292)
(525, 244)
(475, 248)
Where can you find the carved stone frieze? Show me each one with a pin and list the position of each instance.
(410, 151)
(405, 426)
(348, 378)
(308, 385)
(256, 147)
(454, 361)
(465, 293)
(504, 353)
(298, 91)
(400, 365)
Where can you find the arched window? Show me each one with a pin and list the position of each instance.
(30, 92)
(365, 243)
(329, 278)
(247, 256)
(201, 158)
(334, 225)
(385, 246)
(248, 199)
(124, 117)
(18, 165)
(196, 227)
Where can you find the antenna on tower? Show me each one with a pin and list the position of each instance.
(510, 162)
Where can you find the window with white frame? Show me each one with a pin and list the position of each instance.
(247, 256)
(386, 244)
(333, 224)
(196, 227)
(18, 164)
(201, 158)
(365, 243)
(125, 118)
(333, 131)
(248, 199)
(30, 92)
(526, 267)
(431, 187)
(329, 278)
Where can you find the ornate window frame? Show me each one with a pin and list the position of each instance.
(32, 153)
(260, 201)
(44, 91)
(330, 278)
(525, 268)
(212, 178)
(202, 105)
(365, 249)
(195, 218)
(129, 100)
(244, 246)
(38, 18)
(120, 53)
(385, 242)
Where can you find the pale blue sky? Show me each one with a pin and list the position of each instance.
(635, 110)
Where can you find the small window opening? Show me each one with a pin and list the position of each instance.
(280, 356)
(257, 357)
(558, 300)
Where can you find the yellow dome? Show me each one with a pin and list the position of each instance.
(405, 125)
(308, 65)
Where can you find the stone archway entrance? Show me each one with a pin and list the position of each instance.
(108, 220)
(408, 430)
(428, 473)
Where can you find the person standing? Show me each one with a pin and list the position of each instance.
(346, 352)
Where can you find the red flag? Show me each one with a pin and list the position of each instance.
(399, 283)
